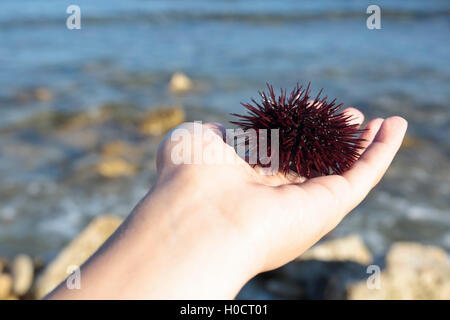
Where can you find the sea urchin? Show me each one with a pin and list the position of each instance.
(315, 139)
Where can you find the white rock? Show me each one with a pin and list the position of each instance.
(77, 252)
(413, 271)
(5, 285)
(180, 83)
(350, 248)
(22, 273)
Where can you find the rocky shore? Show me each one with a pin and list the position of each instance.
(85, 163)
(82, 115)
(342, 268)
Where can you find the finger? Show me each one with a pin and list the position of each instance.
(369, 133)
(368, 170)
(330, 198)
(346, 191)
(217, 127)
(277, 179)
(357, 117)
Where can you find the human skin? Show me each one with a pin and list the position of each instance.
(204, 230)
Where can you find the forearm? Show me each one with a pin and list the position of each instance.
(169, 247)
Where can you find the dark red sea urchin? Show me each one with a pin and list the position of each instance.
(315, 138)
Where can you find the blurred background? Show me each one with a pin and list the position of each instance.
(82, 111)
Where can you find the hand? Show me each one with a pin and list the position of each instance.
(204, 230)
(280, 217)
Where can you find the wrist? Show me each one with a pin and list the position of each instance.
(195, 241)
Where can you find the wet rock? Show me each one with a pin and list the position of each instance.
(125, 149)
(5, 285)
(350, 248)
(413, 271)
(23, 274)
(308, 279)
(114, 167)
(416, 255)
(34, 94)
(38, 263)
(410, 141)
(255, 289)
(158, 122)
(43, 94)
(180, 83)
(75, 121)
(120, 113)
(323, 272)
(132, 152)
(3, 264)
(324, 279)
(77, 252)
(115, 148)
(281, 288)
(47, 121)
(83, 138)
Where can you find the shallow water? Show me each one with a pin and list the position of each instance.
(125, 54)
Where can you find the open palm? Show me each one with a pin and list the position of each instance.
(280, 217)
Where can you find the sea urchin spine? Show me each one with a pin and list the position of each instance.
(315, 139)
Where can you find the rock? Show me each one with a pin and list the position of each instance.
(410, 141)
(81, 138)
(119, 113)
(43, 94)
(415, 255)
(115, 148)
(158, 122)
(34, 94)
(327, 269)
(413, 271)
(350, 248)
(77, 252)
(281, 288)
(39, 263)
(48, 121)
(180, 83)
(323, 279)
(3, 263)
(23, 274)
(132, 152)
(5, 285)
(114, 167)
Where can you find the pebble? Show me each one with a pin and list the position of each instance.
(23, 274)
(77, 252)
(159, 121)
(413, 271)
(43, 94)
(3, 264)
(112, 167)
(5, 285)
(349, 248)
(36, 94)
(180, 83)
